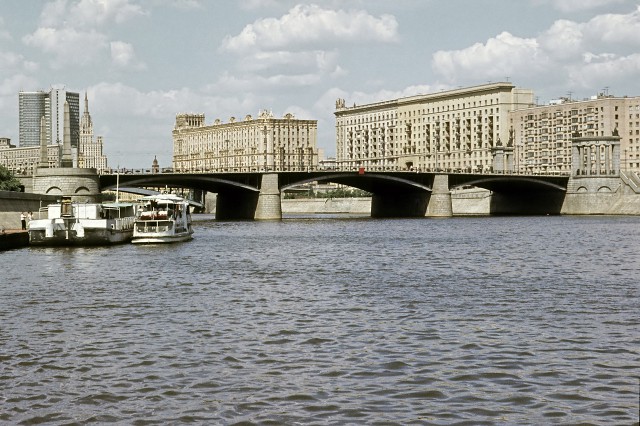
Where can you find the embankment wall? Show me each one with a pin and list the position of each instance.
(13, 203)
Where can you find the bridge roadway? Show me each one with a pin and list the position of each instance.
(256, 195)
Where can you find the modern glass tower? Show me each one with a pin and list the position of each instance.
(33, 105)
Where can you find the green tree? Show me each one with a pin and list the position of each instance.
(8, 182)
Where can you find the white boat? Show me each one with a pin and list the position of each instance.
(162, 218)
(70, 223)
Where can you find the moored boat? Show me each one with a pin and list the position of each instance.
(68, 223)
(162, 218)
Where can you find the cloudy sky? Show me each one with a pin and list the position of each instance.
(142, 62)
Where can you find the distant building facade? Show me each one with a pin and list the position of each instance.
(262, 143)
(544, 134)
(23, 161)
(33, 105)
(451, 130)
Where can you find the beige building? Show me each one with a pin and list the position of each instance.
(262, 143)
(543, 133)
(23, 161)
(450, 130)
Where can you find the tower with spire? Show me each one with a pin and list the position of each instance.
(90, 153)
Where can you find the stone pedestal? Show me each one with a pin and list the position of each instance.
(440, 200)
(269, 206)
(82, 185)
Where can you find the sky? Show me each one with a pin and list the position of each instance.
(143, 62)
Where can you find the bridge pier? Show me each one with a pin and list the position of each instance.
(440, 200)
(269, 205)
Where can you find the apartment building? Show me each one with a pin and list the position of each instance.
(262, 143)
(450, 130)
(543, 134)
(23, 161)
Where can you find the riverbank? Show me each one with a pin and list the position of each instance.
(13, 238)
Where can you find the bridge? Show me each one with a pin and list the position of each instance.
(256, 195)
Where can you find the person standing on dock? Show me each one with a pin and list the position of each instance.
(23, 220)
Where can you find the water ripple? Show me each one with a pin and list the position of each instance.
(330, 321)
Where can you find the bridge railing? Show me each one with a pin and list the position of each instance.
(335, 168)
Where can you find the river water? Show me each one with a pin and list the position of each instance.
(330, 320)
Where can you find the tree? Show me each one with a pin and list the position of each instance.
(8, 182)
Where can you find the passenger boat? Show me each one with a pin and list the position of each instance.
(162, 218)
(70, 223)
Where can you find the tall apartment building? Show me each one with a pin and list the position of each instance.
(262, 143)
(543, 134)
(33, 105)
(90, 150)
(450, 130)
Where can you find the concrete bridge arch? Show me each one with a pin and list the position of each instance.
(256, 195)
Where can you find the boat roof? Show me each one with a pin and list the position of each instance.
(163, 197)
(118, 204)
(104, 204)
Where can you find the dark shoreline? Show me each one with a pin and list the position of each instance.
(13, 238)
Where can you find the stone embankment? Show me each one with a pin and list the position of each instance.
(327, 206)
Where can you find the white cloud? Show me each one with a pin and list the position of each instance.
(565, 39)
(71, 32)
(123, 55)
(578, 5)
(615, 28)
(574, 55)
(310, 25)
(605, 70)
(499, 57)
(97, 13)
(68, 45)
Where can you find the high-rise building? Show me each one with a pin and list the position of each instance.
(262, 143)
(33, 105)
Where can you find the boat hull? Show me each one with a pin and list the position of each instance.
(80, 232)
(82, 224)
(161, 239)
(97, 237)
